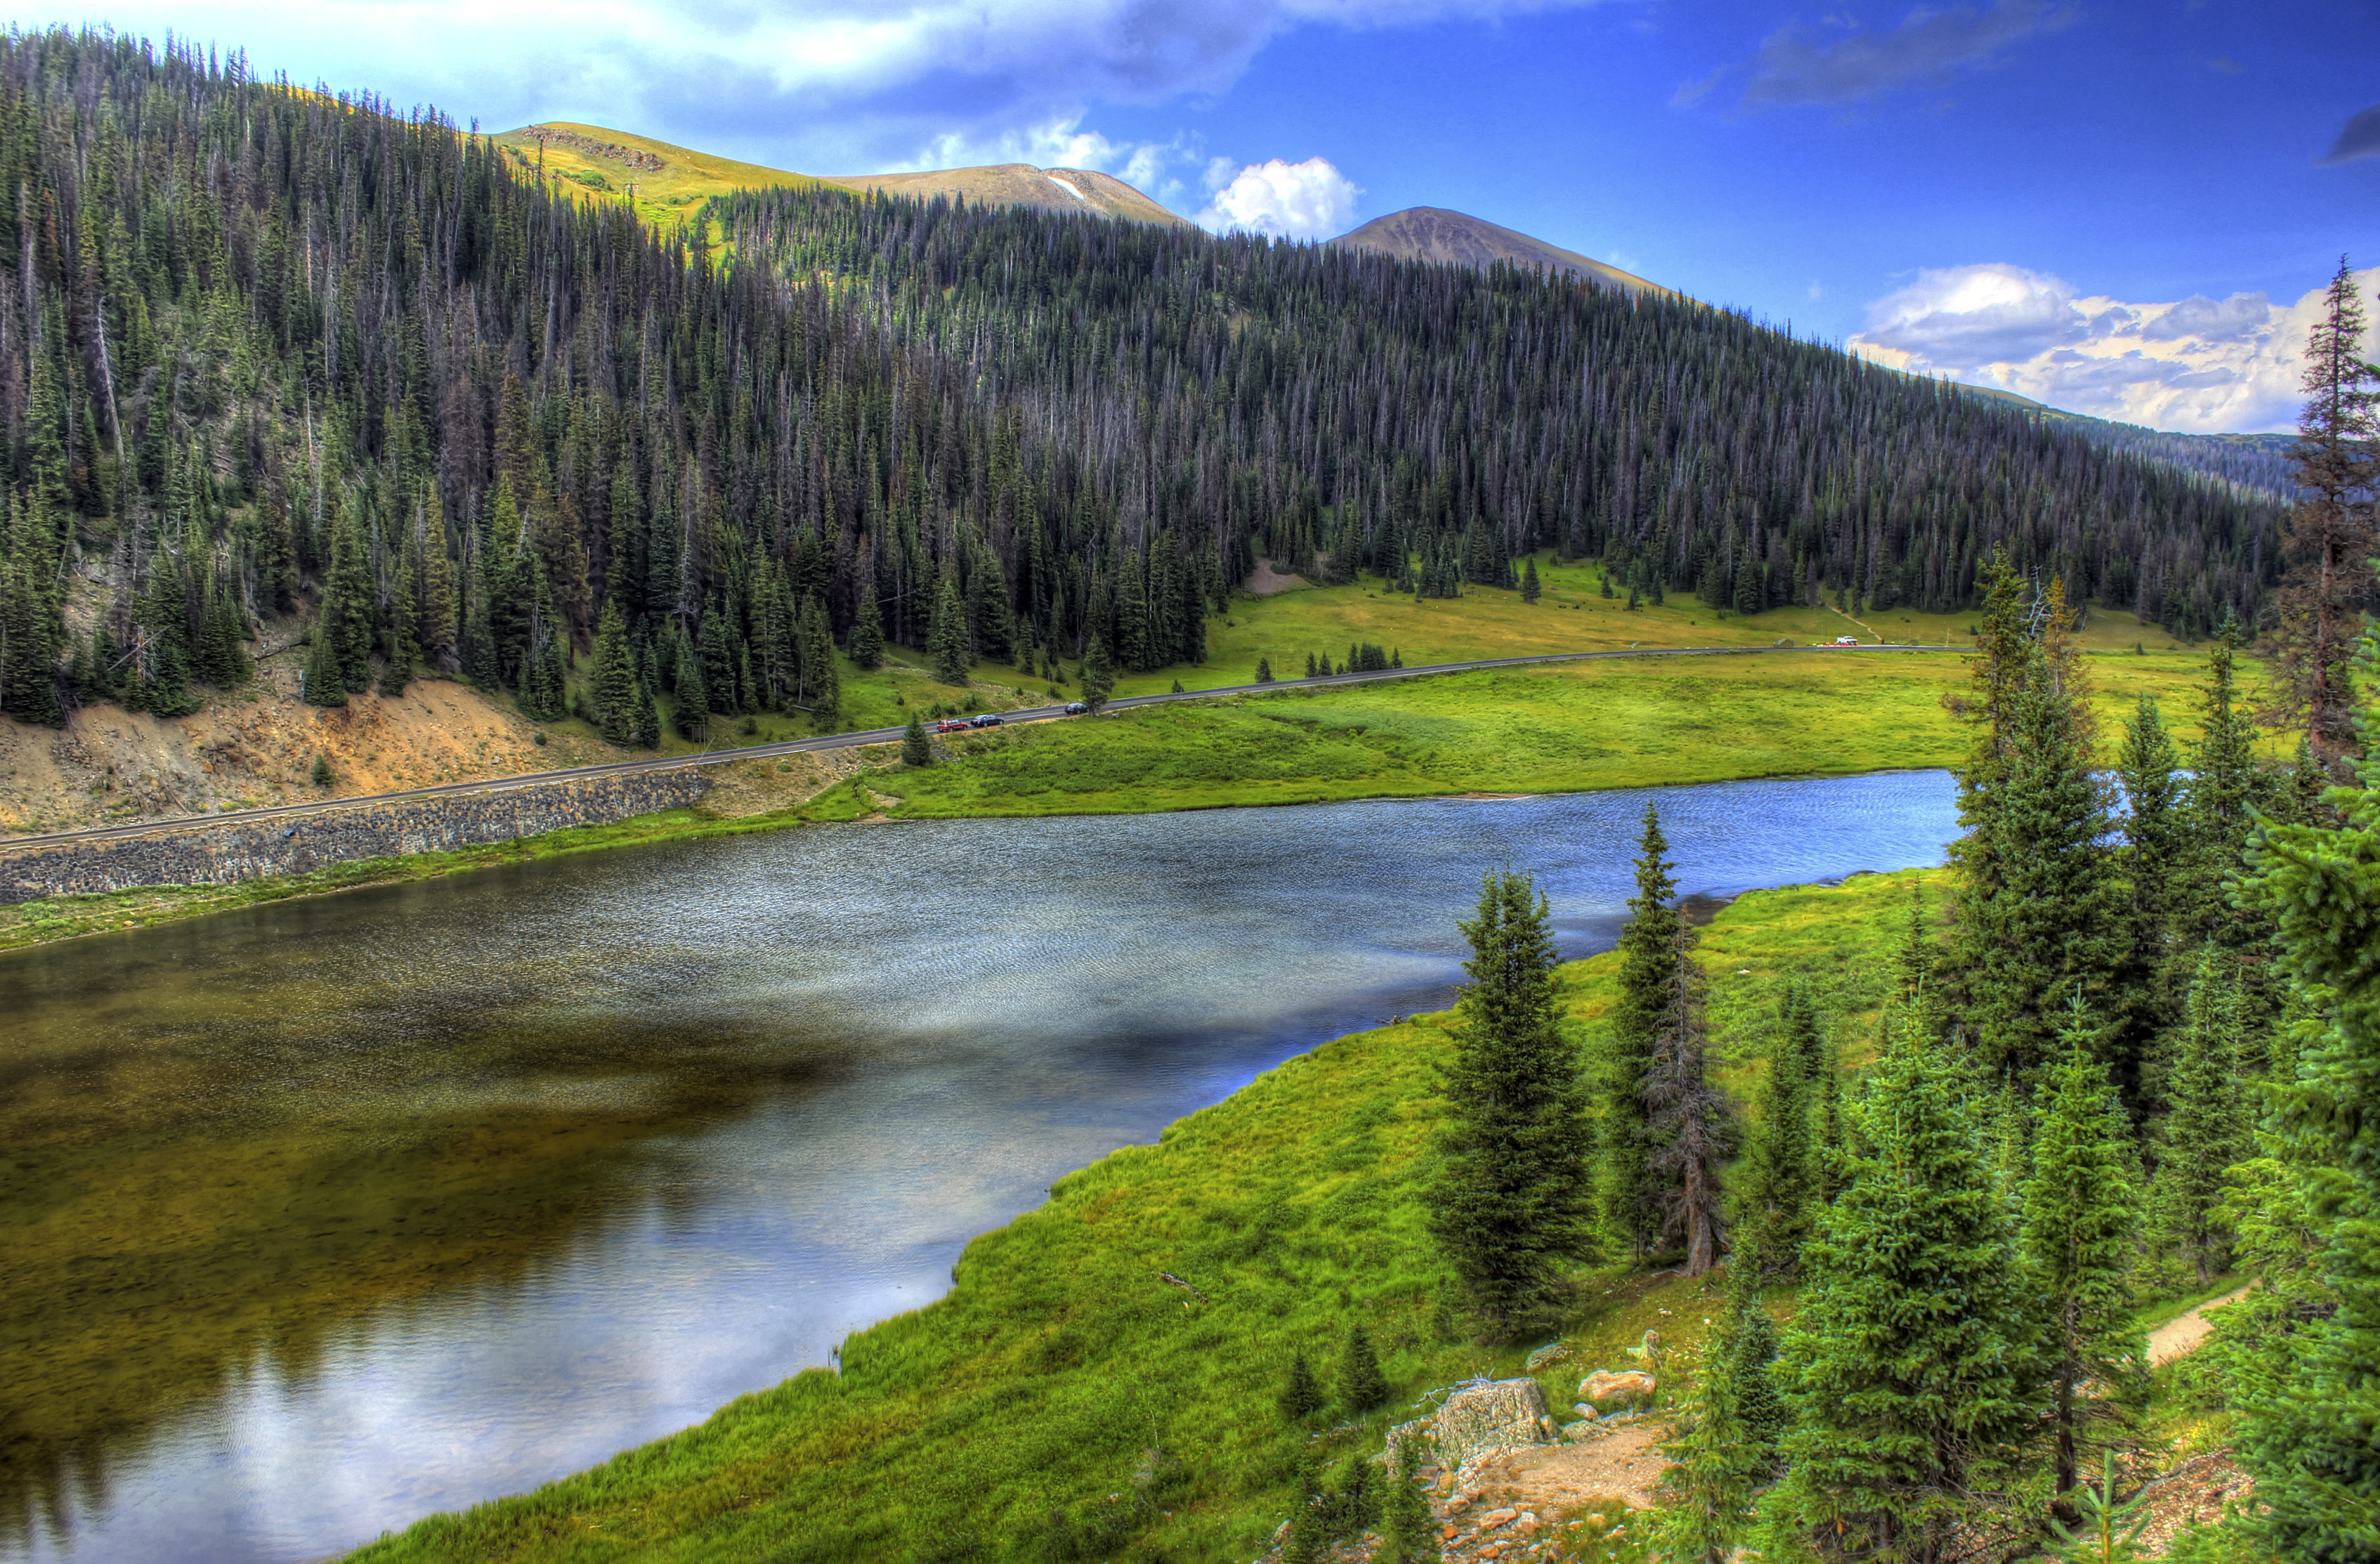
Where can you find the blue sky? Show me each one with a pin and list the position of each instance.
(2118, 207)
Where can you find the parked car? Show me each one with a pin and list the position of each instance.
(951, 725)
(984, 719)
(1075, 708)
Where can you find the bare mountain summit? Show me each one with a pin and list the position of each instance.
(1019, 184)
(1457, 239)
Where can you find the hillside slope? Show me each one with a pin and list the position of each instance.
(1457, 239)
(1063, 190)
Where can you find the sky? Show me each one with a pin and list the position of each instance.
(2126, 208)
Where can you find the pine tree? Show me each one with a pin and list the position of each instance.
(1362, 1385)
(1098, 672)
(2205, 1122)
(821, 681)
(347, 604)
(2329, 539)
(321, 770)
(1301, 1394)
(2081, 1216)
(645, 725)
(1721, 1460)
(916, 749)
(868, 627)
(1910, 1371)
(1307, 1532)
(612, 684)
(2155, 844)
(2038, 913)
(1264, 670)
(947, 642)
(1531, 590)
(691, 704)
(1627, 1197)
(326, 683)
(1513, 1200)
(1782, 1171)
(1408, 1530)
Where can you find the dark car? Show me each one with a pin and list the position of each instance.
(984, 719)
(1075, 708)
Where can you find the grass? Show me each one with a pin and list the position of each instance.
(1555, 728)
(664, 198)
(1066, 1401)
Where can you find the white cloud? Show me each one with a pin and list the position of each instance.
(2197, 366)
(1308, 200)
(825, 86)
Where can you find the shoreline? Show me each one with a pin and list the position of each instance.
(51, 919)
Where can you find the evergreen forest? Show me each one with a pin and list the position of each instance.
(273, 358)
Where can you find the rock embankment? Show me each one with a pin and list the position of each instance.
(208, 852)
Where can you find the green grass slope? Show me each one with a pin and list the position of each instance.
(1067, 1401)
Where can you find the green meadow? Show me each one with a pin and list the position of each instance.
(1068, 1401)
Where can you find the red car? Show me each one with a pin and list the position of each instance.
(951, 725)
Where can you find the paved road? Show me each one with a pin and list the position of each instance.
(878, 736)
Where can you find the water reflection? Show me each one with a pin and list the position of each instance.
(324, 1215)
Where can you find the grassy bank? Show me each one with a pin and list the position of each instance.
(1067, 1401)
(1557, 728)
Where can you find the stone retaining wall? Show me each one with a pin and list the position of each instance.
(210, 852)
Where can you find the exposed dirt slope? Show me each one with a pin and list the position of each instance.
(258, 747)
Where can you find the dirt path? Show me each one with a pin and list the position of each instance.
(2179, 1338)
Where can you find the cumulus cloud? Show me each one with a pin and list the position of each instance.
(1797, 65)
(1307, 200)
(2197, 366)
(2359, 138)
(826, 86)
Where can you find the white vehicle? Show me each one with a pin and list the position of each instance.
(1847, 641)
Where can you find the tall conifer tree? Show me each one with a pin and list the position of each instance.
(1512, 1203)
(1910, 1368)
(1626, 1196)
(2081, 1217)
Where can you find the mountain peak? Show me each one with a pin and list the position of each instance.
(1457, 239)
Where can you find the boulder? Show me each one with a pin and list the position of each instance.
(1632, 1386)
(1488, 1415)
(1551, 1353)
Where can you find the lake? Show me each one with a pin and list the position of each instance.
(322, 1215)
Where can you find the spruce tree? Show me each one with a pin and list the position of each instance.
(2140, 1004)
(1264, 670)
(1910, 1369)
(2045, 917)
(326, 683)
(946, 640)
(1301, 1394)
(1627, 1198)
(2206, 1123)
(916, 749)
(1781, 1175)
(1408, 1530)
(1362, 1385)
(2310, 1443)
(868, 627)
(1098, 672)
(1721, 1460)
(645, 723)
(612, 685)
(1531, 589)
(2081, 1217)
(691, 704)
(1511, 1202)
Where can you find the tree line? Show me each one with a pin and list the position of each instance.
(271, 352)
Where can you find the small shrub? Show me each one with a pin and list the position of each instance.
(322, 772)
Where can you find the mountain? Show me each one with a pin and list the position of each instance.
(667, 179)
(1457, 239)
(1020, 185)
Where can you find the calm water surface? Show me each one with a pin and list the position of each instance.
(321, 1217)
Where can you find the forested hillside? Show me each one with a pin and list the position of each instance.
(267, 352)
